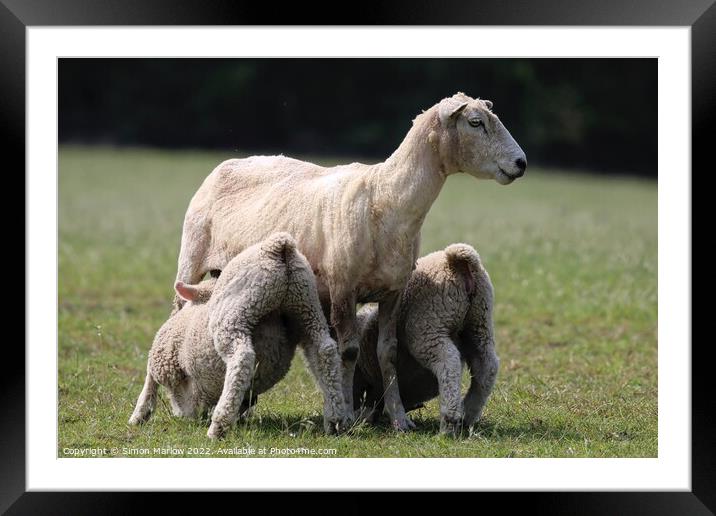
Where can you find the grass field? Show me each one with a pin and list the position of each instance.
(573, 259)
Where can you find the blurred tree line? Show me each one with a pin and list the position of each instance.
(594, 114)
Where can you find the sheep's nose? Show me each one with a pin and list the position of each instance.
(521, 166)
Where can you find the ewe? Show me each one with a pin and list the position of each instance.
(445, 320)
(358, 225)
(237, 335)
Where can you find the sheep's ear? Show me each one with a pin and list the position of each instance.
(488, 103)
(450, 110)
(186, 292)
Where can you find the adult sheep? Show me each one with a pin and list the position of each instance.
(358, 225)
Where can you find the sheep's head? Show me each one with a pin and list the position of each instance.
(475, 141)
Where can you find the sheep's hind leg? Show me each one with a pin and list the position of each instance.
(248, 406)
(320, 350)
(192, 253)
(324, 363)
(240, 362)
(183, 399)
(387, 349)
(484, 364)
(146, 401)
(444, 361)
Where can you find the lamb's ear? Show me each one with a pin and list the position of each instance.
(488, 103)
(186, 292)
(449, 110)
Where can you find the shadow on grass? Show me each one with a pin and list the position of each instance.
(535, 430)
(275, 425)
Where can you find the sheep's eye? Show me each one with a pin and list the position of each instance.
(475, 122)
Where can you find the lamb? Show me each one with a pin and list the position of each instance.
(445, 320)
(237, 335)
(358, 225)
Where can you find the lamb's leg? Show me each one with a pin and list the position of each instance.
(444, 361)
(320, 350)
(387, 349)
(240, 361)
(247, 406)
(343, 318)
(183, 399)
(324, 363)
(484, 364)
(478, 347)
(146, 401)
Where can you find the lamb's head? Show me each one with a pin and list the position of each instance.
(474, 141)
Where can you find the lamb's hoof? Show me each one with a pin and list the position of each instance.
(403, 424)
(346, 424)
(471, 419)
(216, 431)
(451, 426)
(335, 426)
(137, 419)
(330, 427)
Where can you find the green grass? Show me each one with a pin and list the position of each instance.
(573, 259)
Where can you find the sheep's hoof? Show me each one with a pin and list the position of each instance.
(451, 426)
(215, 431)
(403, 424)
(471, 418)
(137, 419)
(330, 427)
(336, 426)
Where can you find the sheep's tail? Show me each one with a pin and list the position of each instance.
(146, 402)
(465, 261)
(279, 245)
(463, 254)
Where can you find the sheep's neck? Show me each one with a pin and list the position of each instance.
(409, 181)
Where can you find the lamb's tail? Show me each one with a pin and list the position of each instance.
(465, 261)
(146, 402)
(279, 245)
(463, 253)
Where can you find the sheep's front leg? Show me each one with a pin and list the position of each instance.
(387, 350)
(343, 319)
(240, 361)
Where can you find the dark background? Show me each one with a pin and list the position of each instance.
(598, 115)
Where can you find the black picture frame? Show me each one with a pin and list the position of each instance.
(700, 15)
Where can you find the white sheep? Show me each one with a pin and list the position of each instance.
(238, 334)
(445, 321)
(358, 225)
